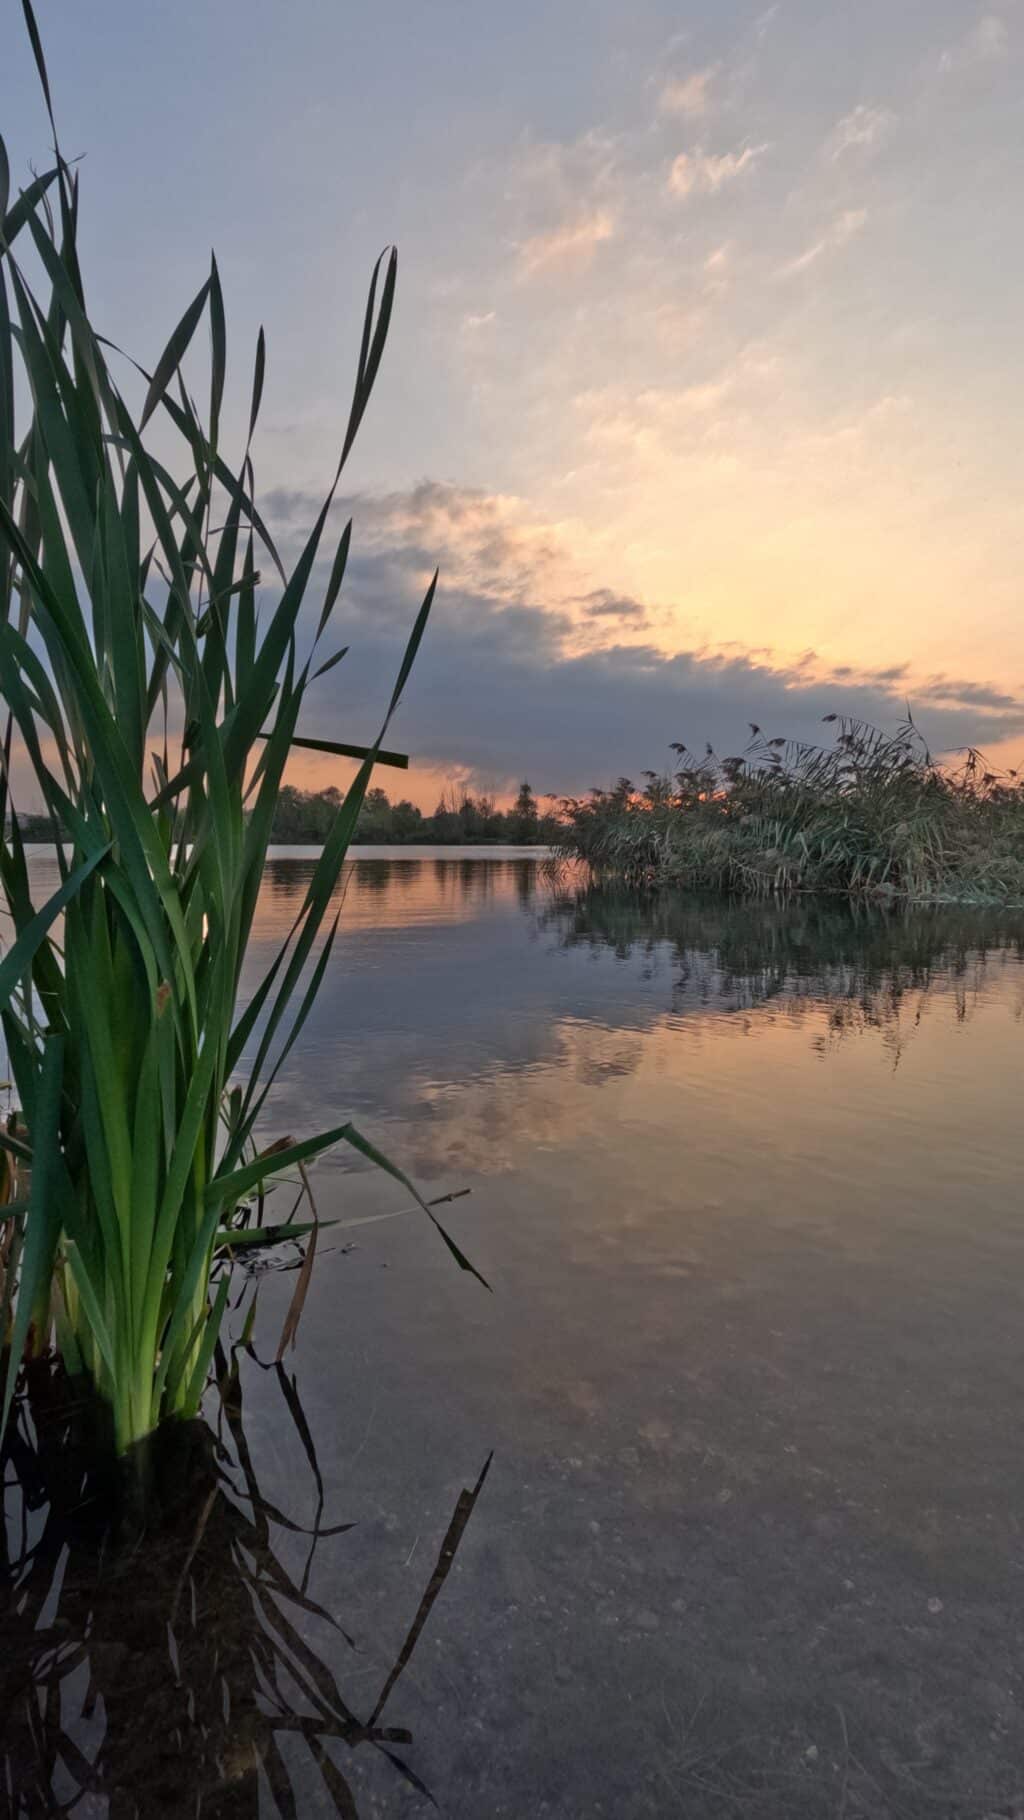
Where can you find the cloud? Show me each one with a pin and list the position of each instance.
(502, 679)
(563, 198)
(858, 131)
(666, 427)
(764, 22)
(557, 170)
(472, 323)
(705, 173)
(688, 94)
(572, 243)
(966, 694)
(489, 542)
(841, 232)
(987, 42)
(602, 603)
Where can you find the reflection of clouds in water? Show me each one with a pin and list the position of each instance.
(476, 1009)
(483, 1122)
(614, 1132)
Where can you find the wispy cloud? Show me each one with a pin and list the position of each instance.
(664, 429)
(705, 173)
(764, 22)
(986, 42)
(841, 232)
(562, 198)
(859, 131)
(688, 95)
(572, 243)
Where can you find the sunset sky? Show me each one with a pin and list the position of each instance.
(705, 384)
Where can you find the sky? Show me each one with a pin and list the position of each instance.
(704, 385)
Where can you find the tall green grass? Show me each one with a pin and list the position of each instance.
(870, 814)
(155, 708)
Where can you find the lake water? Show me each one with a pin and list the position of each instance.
(746, 1185)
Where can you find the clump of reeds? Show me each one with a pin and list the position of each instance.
(155, 709)
(870, 814)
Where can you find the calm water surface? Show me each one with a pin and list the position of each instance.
(746, 1185)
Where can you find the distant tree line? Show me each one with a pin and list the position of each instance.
(302, 817)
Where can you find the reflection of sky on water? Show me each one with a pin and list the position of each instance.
(477, 1009)
(746, 1185)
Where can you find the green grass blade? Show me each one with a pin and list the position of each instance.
(19, 957)
(43, 1225)
(174, 353)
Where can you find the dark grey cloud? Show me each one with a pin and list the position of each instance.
(499, 687)
(977, 695)
(601, 603)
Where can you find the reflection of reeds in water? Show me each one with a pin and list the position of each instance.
(863, 960)
(173, 1669)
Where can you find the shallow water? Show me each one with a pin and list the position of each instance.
(746, 1186)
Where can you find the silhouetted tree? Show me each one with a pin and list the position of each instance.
(523, 816)
(406, 820)
(376, 819)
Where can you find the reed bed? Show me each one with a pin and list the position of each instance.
(870, 814)
(154, 704)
